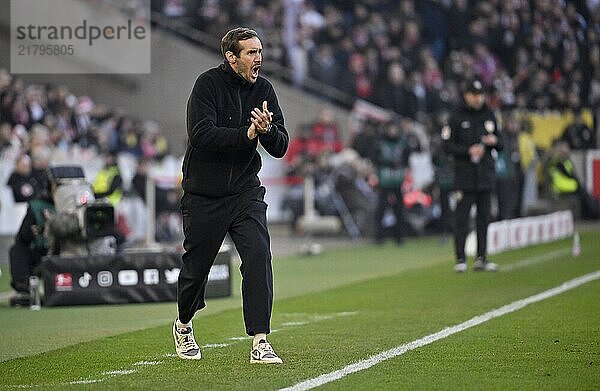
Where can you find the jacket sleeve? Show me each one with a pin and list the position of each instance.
(202, 128)
(276, 141)
(450, 143)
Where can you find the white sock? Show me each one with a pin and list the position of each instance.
(180, 325)
(257, 338)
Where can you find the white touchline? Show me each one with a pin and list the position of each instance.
(448, 331)
(145, 363)
(534, 260)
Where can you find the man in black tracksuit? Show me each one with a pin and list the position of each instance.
(470, 136)
(230, 109)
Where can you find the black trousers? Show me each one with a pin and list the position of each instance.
(390, 198)
(206, 221)
(22, 262)
(482, 199)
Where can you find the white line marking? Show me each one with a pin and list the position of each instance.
(145, 363)
(89, 381)
(119, 372)
(292, 324)
(109, 374)
(215, 345)
(448, 331)
(534, 260)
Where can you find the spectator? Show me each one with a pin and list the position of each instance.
(10, 143)
(139, 179)
(391, 167)
(30, 245)
(393, 95)
(324, 67)
(153, 144)
(578, 135)
(108, 182)
(357, 81)
(509, 177)
(564, 180)
(24, 185)
(365, 142)
(459, 16)
(325, 132)
(36, 109)
(529, 160)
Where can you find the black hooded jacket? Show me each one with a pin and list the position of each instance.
(220, 159)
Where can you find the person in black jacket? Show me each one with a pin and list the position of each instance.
(24, 184)
(470, 136)
(230, 110)
(30, 243)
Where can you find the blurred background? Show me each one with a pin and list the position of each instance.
(348, 74)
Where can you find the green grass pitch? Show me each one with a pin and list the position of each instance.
(332, 310)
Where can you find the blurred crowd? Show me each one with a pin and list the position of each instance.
(408, 56)
(39, 119)
(392, 178)
(44, 124)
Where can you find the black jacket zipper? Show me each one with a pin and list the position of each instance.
(233, 157)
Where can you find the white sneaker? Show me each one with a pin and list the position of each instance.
(263, 353)
(185, 344)
(482, 264)
(460, 267)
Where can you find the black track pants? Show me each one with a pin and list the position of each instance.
(206, 221)
(482, 199)
(22, 262)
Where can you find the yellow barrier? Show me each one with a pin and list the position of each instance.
(550, 125)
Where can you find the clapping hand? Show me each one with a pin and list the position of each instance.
(261, 121)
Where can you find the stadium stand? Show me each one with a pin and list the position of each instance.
(540, 54)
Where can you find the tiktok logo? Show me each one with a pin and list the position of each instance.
(84, 281)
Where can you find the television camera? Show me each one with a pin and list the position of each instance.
(81, 223)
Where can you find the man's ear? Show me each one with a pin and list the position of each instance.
(231, 58)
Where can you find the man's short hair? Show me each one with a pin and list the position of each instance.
(231, 41)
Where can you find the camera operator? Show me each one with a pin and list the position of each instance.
(30, 244)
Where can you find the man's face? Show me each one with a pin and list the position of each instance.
(247, 65)
(474, 100)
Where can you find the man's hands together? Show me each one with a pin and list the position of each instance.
(261, 121)
(477, 150)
